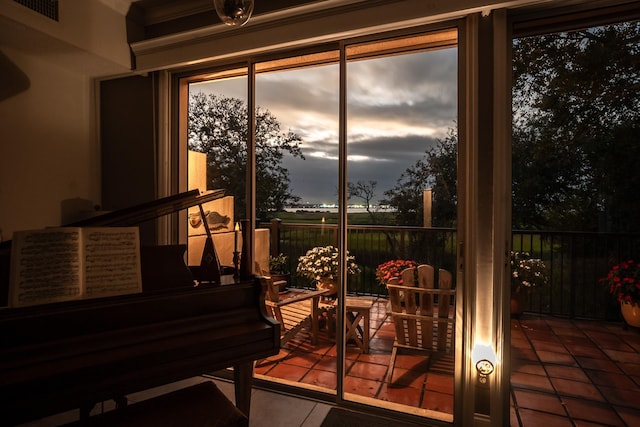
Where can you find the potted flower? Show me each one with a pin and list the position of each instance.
(393, 269)
(623, 283)
(526, 273)
(279, 270)
(320, 264)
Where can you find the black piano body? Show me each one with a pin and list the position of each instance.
(62, 356)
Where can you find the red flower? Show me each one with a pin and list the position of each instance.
(623, 281)
(391, 269)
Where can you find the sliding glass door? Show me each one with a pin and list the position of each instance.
(355, 155)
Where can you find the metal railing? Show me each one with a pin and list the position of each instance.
(576, 261)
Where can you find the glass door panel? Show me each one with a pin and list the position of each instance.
(296, 184)
(217, 159)
(402, 146)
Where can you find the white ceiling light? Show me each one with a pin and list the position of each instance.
(235, 13)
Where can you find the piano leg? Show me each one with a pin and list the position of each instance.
(243, 378)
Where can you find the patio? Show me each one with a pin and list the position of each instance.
(563, 372)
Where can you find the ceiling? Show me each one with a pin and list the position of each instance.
(156, 18)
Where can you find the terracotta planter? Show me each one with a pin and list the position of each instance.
(518, 303)
(631, 313)
(332, 285)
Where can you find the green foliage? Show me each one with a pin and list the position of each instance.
(278, 264)
(576, 99)
(436, 170)
(218, 127)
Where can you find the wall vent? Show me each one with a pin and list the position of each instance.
(48, 8)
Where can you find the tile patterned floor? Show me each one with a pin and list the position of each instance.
(564, 372)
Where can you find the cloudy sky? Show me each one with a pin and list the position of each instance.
(397, 106)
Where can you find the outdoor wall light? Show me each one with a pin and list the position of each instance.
(484, 368)
(234, 13)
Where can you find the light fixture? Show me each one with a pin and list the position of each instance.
(484, 368)
(234, 13)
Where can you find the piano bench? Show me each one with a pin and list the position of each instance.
(201, 405)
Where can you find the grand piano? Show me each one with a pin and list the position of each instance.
(67, 355)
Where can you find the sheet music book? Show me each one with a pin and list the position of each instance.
(70, 263)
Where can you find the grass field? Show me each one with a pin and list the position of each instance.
(381, 218)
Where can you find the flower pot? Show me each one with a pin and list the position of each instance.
(277, 277)
(518, 303)
(631, 313)
(330, 284)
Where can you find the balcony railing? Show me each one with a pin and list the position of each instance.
(576, 261)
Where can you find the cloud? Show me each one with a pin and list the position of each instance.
(397, 107)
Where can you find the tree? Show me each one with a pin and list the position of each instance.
(365, 191)
(218, 127)
(436, 170)
(576, 101)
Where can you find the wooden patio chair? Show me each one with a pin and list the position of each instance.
(293, 313)
(423, 315)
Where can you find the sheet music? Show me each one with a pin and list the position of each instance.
(66, 263)
(111, 261)
(45, 266)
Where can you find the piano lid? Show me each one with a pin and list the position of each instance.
(149, 210)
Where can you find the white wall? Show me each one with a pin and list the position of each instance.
(48, 151)
(49, 148)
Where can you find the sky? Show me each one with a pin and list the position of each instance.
(397, 106)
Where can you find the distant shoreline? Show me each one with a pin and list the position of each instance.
(332, 209)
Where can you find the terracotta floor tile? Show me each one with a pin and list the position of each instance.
(513, 417)
(545, 402)
(440, 383)
(520, 342)
(524, 354)
(327, 363)
(305, 360)
(408, 361)
(361, 386)
(557, 358)
(623, 356)
(597, 364)
(586, 351)
(528, 367)
(438, 402)
(583, 423)
(567, 372)
(607, 341)
(407, 378)
(263, 368)
(564, 331)
(531, 382)
(543, 336)
(320, 378)
(621, 397)
(548, 346)
(288, 372)
(403, 395)
(532, 418)
(368, 370)
(381, 344)
(631, 416)
(632, 369)
(381, 358)
(610, 379)
(575, 388)
(592, 411)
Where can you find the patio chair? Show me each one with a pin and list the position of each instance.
(293, 313)
(423, 316)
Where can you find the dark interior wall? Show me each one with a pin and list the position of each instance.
(128, 145)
